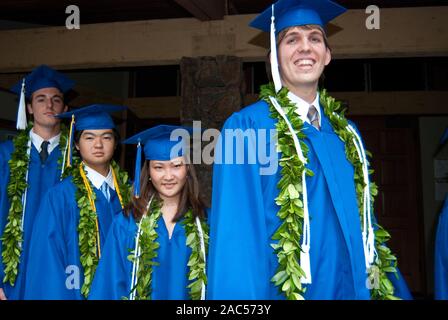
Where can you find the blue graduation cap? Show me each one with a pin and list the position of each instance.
(289, 13)
(162, 142)
(92, 117)
(41, 77)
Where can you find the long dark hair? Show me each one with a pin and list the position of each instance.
(189, 198)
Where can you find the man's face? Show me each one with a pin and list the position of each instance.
(45, 104)
(96, 147)
(302, 57)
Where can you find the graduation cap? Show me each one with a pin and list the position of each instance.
(289, 13)
(92, 117)
(41, 77)
(160, 143)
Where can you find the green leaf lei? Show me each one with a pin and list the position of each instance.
(196, 261)
(87, 228)
(13, 233)
(147, 242)
(289, 272)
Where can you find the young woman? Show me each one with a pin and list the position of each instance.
(157, 249)
(75, 215)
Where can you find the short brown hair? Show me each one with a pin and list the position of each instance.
(283, 33)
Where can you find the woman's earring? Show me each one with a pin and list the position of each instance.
(149, 179)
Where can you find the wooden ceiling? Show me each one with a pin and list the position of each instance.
(52, 12)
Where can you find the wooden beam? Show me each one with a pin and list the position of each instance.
(204, 10)
(360, 103)
(155, 108)
(404, 32)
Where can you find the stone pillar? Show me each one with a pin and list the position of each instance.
(212, 89)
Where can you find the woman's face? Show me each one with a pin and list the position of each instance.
(168, 177)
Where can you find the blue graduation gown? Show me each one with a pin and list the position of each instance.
(441, 256)
(54, 255)
(41, 176)
(244, 218)
(169, 278)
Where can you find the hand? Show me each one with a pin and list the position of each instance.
(2, 295)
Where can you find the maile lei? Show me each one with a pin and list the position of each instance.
(146, 246)
(16, 190)
(88, 229)
(291, 213)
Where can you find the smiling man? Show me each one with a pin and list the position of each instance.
(75, 215)
(28, 167)
(308, 230)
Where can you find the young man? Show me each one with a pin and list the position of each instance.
(75, 215)
(305, 230)
(29, 165)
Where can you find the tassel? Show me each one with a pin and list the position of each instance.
(368, 233)
(21, 113)
(202, 242)
(273, 59)
(138, 166)
(305, 265)
(70, 142)
(371, 246)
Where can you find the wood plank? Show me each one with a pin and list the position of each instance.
(203, 9)
(404, 32)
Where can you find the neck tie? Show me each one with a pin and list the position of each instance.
(313, 116)
(44, 151)
(105, 190)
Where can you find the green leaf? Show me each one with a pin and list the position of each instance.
(293, 194)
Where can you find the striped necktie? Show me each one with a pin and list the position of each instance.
(313, 116)
(105, 190)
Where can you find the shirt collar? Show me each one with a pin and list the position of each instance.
(37, 141)
(98, 179)
(303, 107)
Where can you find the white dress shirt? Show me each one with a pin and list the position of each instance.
(98, 179)
(302, 107)
(37, 140)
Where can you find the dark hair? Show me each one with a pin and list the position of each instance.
(117, 138)
(282, 33)
(78, 134)
(64, 97)
(189, 198)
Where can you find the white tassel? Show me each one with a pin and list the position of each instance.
(305, 263)
(368, 233)
(21, 113)
(201, 236)
(137, 252)
(371, 246)
(273, 59)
